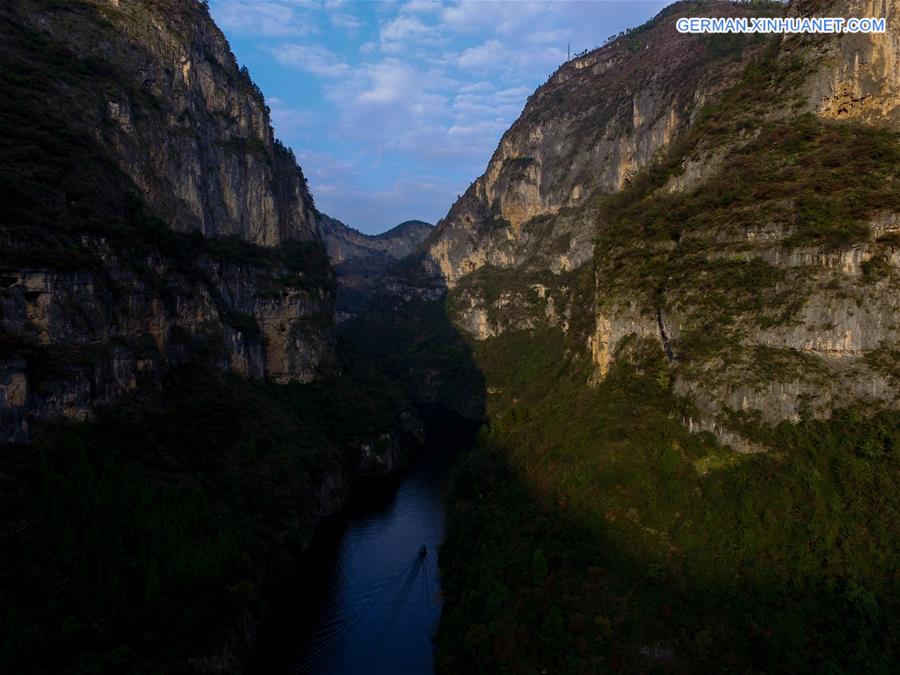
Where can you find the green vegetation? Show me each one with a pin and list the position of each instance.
(293, 264)
(886, 360)
(138, 541)
(730, 45)
(515, 297)
(242, 147)
(821, 179)
(592, 532)
(420, 349)
(52, 173)
(699, 254)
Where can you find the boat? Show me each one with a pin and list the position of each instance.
(423, 551)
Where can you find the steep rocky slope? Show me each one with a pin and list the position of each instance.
(598, 120)
(361, 261)
(130, 137)
(187, 126)
(723, 213)
(678, 280)
(344, 243)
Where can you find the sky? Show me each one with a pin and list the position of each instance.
(394, 107)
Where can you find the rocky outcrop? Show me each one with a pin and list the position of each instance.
(860, 78)
(597, 121)
(362, 261)
(80, 339)
(189, 127)
(151, 218)
(843, 293)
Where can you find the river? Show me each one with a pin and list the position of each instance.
(375, 604)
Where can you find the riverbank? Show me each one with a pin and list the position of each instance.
(375, 604)
(590, 531)
(155, 536)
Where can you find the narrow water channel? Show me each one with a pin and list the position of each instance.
(374, 601)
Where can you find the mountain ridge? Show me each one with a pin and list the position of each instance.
(345, 242)
(661, 127)
(363, 262)
(212, 239)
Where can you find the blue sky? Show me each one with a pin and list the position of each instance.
(394, 107)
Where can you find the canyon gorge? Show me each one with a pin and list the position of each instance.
(666, 319)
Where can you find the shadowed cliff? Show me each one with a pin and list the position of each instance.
(177, 412)
(150, 217)
(362, 262)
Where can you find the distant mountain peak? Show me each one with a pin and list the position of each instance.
(362, 261)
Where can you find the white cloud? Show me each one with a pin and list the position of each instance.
(340, 14)
(416, 94)
(501, 18)
(408, 35)
(326, 167)
(476, 87)
(483, 56)
(312, 58)
(267, 19)
(389, 81)
(346, 21)
(421, 7)
(287, 120)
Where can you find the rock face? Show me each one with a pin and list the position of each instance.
(151, 218)
(344, 243)
(598, 120)
(361, 261)
(185, 123)
(862, 79)
(633, 168)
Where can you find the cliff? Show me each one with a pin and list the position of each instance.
(597, 121)
(150, 217)
(697, 178)
(678, 277)
(182, 121)
(176, 418)
(362, 262)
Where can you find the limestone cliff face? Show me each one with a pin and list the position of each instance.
(861, 76)
(80, 339)
(686, 175)
(836, 341)
(598, 120)
(151, 218)
(362, 262)
(183, 122)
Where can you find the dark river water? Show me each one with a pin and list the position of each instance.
(375, 600)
